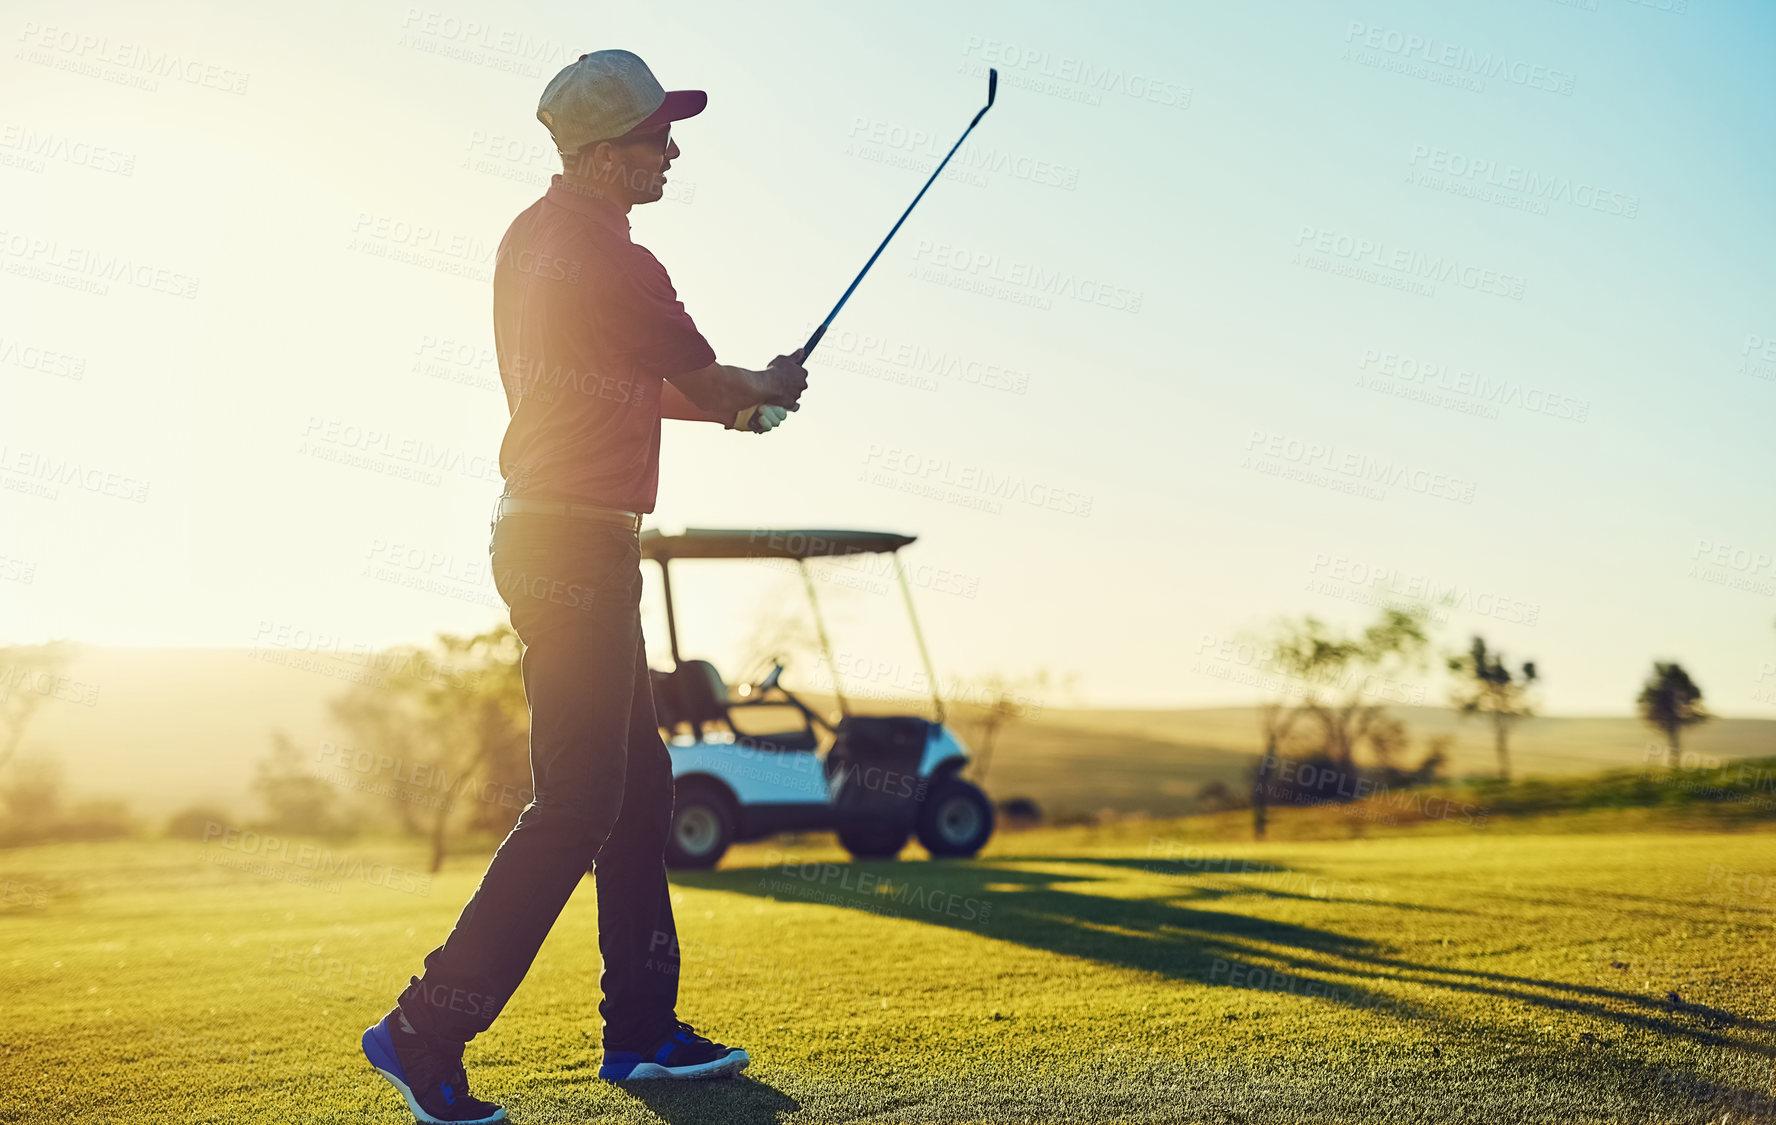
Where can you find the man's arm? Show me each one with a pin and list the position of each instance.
(719, 392)
(674, 404)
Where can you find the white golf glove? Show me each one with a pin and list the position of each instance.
(760, 419)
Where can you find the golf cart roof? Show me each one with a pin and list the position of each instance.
(768, 543)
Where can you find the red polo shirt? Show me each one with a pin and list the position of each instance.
(587, 328)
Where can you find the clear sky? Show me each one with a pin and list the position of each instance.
(1228, 312)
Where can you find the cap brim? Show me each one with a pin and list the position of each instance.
(679, 104)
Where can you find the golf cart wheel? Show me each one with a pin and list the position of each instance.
(702, 827)
(872, 841)
(956, 820)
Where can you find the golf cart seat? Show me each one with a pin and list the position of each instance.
(700, 697)
(666, 709)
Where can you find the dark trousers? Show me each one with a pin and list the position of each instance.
(603, 795)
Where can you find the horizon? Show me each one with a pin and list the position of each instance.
(1037, 706)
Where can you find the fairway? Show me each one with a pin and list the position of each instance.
(1067, 975)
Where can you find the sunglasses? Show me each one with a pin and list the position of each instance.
(653, 138)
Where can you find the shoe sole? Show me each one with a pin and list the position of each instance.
(732, 1063)
(372, 1049)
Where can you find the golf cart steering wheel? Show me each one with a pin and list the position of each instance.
(770, 680)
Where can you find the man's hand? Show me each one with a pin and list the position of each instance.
(728, 390)
(759, 419)
(786, 380)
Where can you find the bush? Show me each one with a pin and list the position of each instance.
(193, 822)
(1020, 812)
(103, 819)
(300, 803)
(1215, 796)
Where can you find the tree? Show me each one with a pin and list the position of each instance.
(32, 797)
(1002, 698)
(778, 635)
(446, 720)
(1671, 701)
(297, 800)
(1276, 721)
(1343, 683)
(1485, 685)
(29, 674)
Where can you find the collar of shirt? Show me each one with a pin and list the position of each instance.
(562, 193)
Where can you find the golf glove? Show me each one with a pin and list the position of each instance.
(760, 419)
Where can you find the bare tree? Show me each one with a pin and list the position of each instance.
(28, 674)
(1276, 721)
(448, 715)
(1485, 685)
(1002, 699)
(1671, 701)
(1344, 683)
(777, 635)
(32, 796)
(296, 799)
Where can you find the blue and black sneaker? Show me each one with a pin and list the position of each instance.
(432, 1080)
(685, 1054)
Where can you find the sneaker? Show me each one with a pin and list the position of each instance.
(684, 1055)
(433, 1082)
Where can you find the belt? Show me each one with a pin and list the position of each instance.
(528, 506)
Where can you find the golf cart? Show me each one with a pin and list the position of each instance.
(875, 780)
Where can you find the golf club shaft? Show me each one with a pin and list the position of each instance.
(992, 90)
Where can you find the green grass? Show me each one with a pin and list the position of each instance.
(1735, 797)
(1125, 973)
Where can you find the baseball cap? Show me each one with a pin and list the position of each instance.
(607, 94)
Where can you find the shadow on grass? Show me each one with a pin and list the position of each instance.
(736, 1101)
(1160, 932)
(1058, 913)
(1174, 868)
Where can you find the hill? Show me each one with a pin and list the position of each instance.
(165, 728)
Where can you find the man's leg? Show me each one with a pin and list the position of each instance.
(574, 597)
(636, 935)
(643, 1037)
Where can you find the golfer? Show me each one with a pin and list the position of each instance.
(594, 350)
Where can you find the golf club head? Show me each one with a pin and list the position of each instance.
(992, 92)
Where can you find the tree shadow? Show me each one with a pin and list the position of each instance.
(736, 1101)
(1157, 866)
(1154, 934)
(1579, 998)
(1160, 932)
(1177, 868)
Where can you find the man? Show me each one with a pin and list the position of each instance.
(594, 349)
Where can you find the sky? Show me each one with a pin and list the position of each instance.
(1226, 314)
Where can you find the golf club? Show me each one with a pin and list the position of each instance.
(992, 89)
